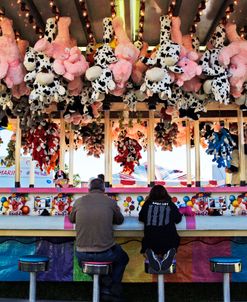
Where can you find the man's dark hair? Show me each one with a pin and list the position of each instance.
(97, 184)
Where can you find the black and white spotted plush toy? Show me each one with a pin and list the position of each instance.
(218, 84)
(100, 75)
(45, 86)
(157, 79)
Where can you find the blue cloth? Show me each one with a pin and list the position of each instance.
(33, 258)
(225, 260)
(116, 255)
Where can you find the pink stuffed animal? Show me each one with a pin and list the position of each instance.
(188, 57)
(11, 68)
(235, 57)
(21, 89)
(127, 55)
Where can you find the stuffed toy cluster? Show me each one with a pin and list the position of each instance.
(220, 145)
(165, 133)
(93, 139)
(129, 152)
(43, 144)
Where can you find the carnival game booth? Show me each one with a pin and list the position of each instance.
(165, 75)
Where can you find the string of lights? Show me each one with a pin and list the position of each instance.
(229, 10)
(113, 9)
(171, 8)
(243, 32)
(54, 9)
(25, 12)
(87, 21)
(197, 19)
(2, 15)
(141, 20)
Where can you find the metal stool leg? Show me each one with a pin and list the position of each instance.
(161, 288)
(226, 287)
(32, 287)
(95, 288)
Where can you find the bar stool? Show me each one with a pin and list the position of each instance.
(33, 264)
(161, 281)
(226, 265)
(96, 269)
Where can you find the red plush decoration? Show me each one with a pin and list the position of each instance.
(43, 142)
(129, 153)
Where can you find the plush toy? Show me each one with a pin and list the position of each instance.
(61, 204)
(126, 53)
(11, 68)
(157, 79)
(139, 68)
(44, 84)
(5, 97)
(234, 57)
(218, 85)
(187, 58)
(129, 154)
(61, 179)
(220, 145)
(165, 134)
(93, 139)
(100, 74)
(132, 96)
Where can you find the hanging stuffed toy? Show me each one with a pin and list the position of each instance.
(44, 84)
(100, 74)
(139, 68)
(43, 143)
(234, 57)
(128, 153)
(165, 134)
(93, 139)
(218, 85)
(220, 145)
(157, 79)
(126, 53)
(20, 90)
(132, 96)
(11, 67)
(187, 58)
(5, 97)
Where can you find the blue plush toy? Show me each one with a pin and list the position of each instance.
(220, 144)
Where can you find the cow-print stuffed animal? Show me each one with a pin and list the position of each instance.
(100, 75)
(219, 84)
(157, 79)
(5, 97)
(44, 84)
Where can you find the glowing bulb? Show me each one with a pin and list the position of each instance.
(113, 15)
(84, 13)
(27, 14)
(40, 36)
(112, 3)
(88, 25)
(90, 35)
(173, 2)
(235, 2)
(227, 16)
(51, 3)
(34, 26)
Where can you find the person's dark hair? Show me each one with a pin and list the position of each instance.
(158, 192)
(101, 176)
(97, 184)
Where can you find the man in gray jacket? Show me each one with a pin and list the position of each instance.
(94, 215)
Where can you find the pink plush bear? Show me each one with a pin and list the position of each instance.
(71, 64)
(188, 57)
(127, 55)
(11, 68)
(235, 57)
(21, 89)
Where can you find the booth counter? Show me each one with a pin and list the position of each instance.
(202, 236)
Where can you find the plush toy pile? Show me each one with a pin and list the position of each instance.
(220, 145)
(43, 144)
(93, 139)
(54, 76)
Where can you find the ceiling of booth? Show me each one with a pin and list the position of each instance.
(98, 9)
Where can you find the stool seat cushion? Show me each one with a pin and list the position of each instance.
(97, 263)
(225, 260)
(33, 258)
